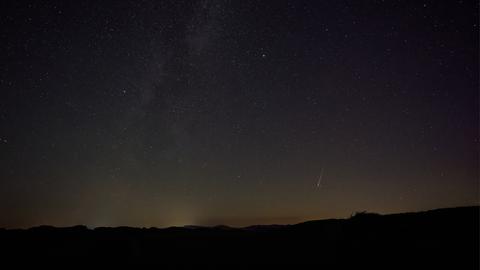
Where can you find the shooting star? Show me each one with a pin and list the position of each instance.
(319, 182)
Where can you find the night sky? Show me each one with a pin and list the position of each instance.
(160, 113)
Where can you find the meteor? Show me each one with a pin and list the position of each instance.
(319, 182)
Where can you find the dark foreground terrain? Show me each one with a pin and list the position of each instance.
(445, 238)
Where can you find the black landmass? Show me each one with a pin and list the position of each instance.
(443, 238)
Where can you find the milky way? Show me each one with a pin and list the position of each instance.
(158, 113)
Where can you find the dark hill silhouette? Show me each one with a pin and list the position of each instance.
(444, 238)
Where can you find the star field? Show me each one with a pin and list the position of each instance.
(159, 113)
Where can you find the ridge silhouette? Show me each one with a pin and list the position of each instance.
(442, 238)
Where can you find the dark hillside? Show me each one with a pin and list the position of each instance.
(445, 238)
